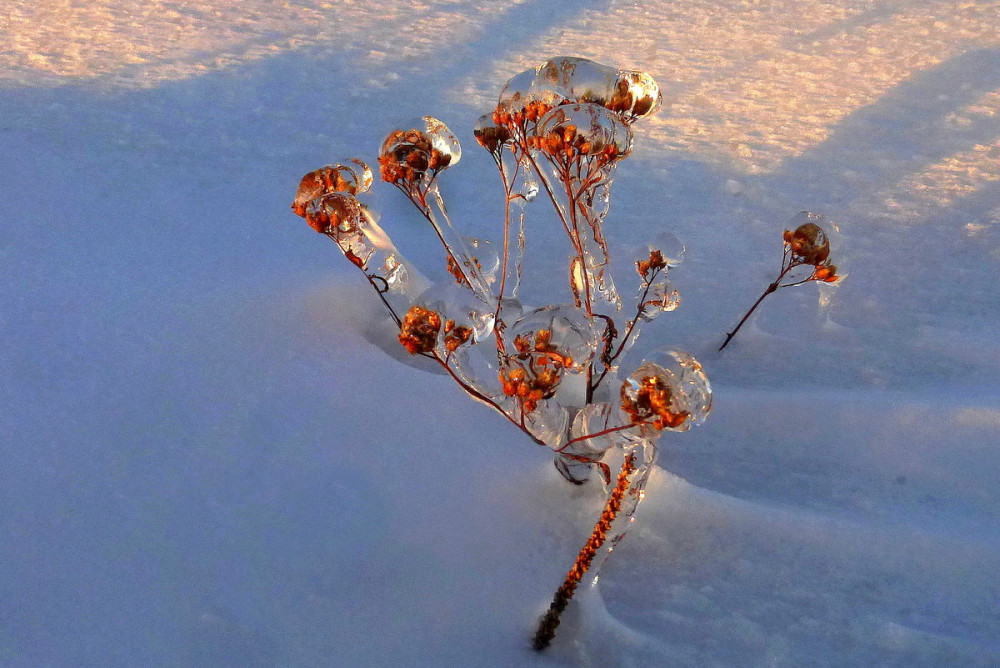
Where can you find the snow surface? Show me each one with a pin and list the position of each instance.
(204, 461)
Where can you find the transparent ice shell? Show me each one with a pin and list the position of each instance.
(572, 332)
(660, 298)
(595, 127)
(629, 93)
(453, 302)
(575, 459)
(330, 179)
(689, 390)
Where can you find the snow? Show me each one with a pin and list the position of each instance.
(209, 460)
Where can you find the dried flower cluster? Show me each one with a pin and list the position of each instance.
(533, 373)
(652, 404)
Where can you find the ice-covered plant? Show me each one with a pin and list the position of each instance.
(549, 369)
(806, 258)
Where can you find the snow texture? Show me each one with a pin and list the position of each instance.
(206, 459)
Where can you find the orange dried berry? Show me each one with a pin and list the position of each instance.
(418, 332)
(826, 273)
(389, 168)
(492, 138)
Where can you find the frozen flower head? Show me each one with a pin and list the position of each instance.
(636, 95)
(419, 330)
(336, 214)
(561, 330)
(808, 244)
(419, 153)
(647, 268)
(674, 395)
(567, 80)
(331, 179)
(491, 135)
(582, 132)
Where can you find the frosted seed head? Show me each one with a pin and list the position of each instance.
(636, 95)
(418, 153)
(583, 130)
(562, 332)
(337, 214)
(331, 178)
(673, 396)
(491, 135)
(808, 241)
(460, 305)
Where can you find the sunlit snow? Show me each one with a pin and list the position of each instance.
(206, 458)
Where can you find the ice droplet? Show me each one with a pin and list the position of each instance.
(674, 388)
(484, 256)
(529, 189)
(575, 459)
(330, 179)
(453, 302)
(660, 298)
(571, 331)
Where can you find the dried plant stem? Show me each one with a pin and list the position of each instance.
(729, 337)
(550, 621)
(771, 288)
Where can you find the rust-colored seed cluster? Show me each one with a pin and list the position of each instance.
(333, 216)
(565, 145)
(531, 112)
(535, 371)
(321, 181)
(654, 263)
(413, 156)
(420, 327)
(625, 103)
(419, 330)
(652, 402)
(550, 622)
(493, 138)
(455, 335)
(809, 244)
